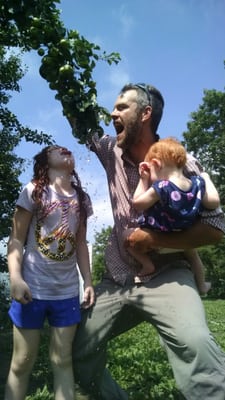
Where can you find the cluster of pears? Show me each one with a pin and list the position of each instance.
(67, 59)
(67, 66)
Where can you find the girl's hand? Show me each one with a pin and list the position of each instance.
(89, 297)
(20, 291)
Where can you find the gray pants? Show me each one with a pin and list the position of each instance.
(171, 303)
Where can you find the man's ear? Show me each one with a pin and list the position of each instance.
(146, 114)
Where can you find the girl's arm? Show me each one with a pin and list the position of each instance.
(144, 196)
(145, 200)
(83, 262)
(19, 288)
(211, 199)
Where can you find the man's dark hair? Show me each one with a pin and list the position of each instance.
(148, 95)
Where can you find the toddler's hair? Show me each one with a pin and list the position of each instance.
(168, 150)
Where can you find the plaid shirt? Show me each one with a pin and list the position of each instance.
(123, 177)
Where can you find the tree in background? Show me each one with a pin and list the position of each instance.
(11, 134)
(67, 59)
(98, 260)
(67, 63)
(206, 139)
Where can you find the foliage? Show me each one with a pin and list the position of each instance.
(136, 359)
(5, 300)
(206, 136)
(148, 374)
(11, 134)
(98, 260)
(67, 63)
(216, 319)
(213, 260)
(41, 394)
(3, 262)
(67, 59)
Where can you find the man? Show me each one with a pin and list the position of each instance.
(169, 299)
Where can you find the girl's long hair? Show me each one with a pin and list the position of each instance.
(41, 180)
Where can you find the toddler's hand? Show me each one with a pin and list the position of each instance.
(144, 170)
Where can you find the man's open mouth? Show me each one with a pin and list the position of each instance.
(118, 127)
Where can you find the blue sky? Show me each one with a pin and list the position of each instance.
(176, 45)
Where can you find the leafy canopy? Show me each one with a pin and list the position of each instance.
(206, 136)
(67, 64)
(11, 134)
(67, 59)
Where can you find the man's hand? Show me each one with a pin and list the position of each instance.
(198, 235)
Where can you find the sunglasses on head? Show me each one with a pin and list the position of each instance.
(145, 88)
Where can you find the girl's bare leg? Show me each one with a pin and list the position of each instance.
(25, 349)
(61, 360)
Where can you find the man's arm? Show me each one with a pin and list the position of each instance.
(198, 235)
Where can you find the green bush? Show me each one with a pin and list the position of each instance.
(5, 302)
(41, 394)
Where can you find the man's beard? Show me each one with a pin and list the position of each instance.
(132, 134)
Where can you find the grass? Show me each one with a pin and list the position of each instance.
(216, 319)
(136, 359)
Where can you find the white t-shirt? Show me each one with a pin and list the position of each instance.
(49, 261)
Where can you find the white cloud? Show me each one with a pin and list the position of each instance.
(115, 79)
(126, 20)
(118, 77)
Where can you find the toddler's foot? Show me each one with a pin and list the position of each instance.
(204, 289)
(148, 270)
(137, 279)
(145, 271)
(139, 240)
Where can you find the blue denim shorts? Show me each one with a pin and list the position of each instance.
(59, 313)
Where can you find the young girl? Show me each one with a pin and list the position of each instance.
(48, 238)
(170, 201)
